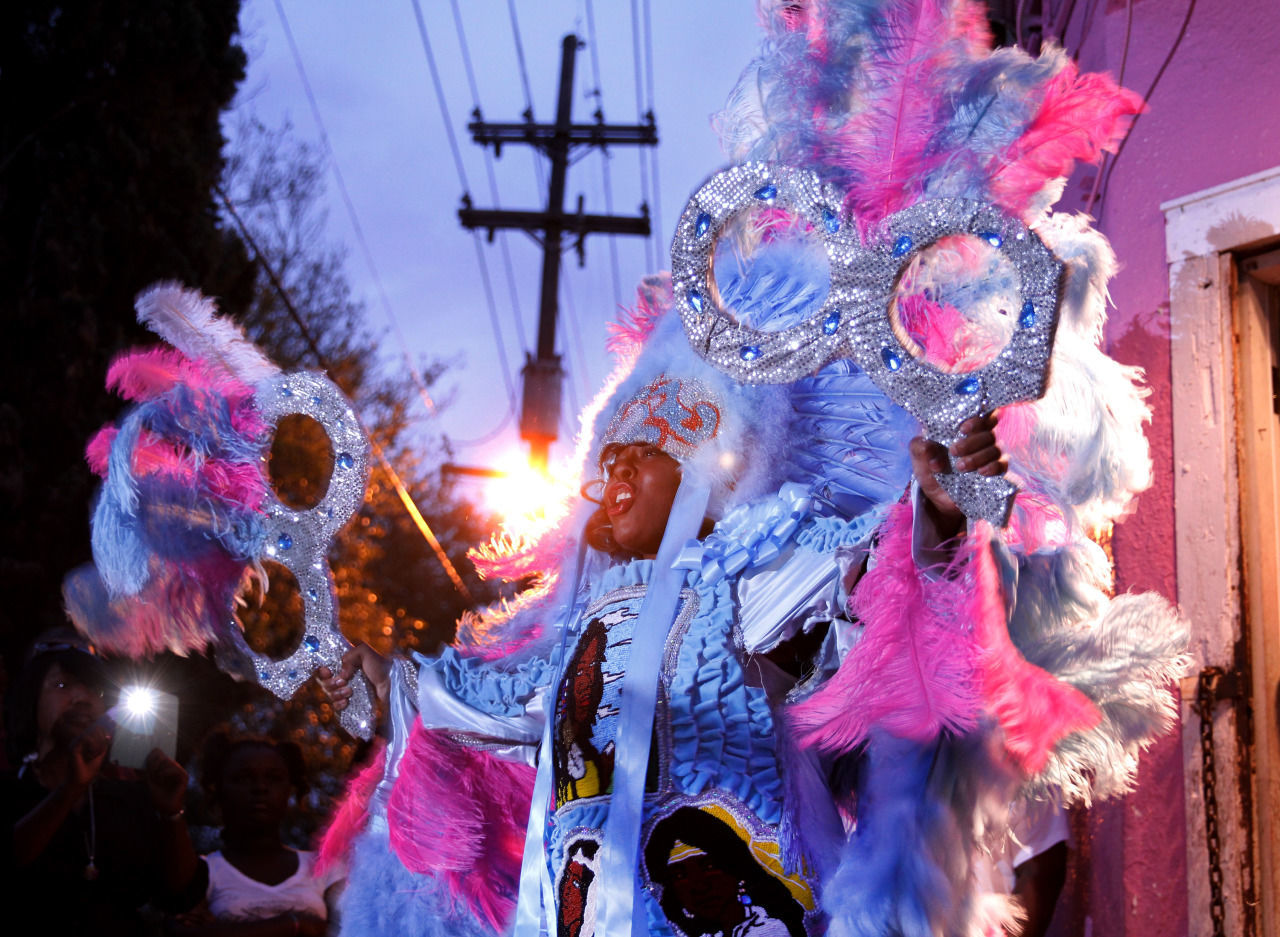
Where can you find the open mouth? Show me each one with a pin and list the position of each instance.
(618, 499)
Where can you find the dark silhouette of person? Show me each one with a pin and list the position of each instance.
(717, 887)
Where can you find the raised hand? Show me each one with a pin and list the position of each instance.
(975, 451)
(363, 658)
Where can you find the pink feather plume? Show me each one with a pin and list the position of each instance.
(459, 815)
(349, 819)
(1081, 117)
(627, 336)
(886, 146)
(98, 451)
(914, 671)
(1034, 709)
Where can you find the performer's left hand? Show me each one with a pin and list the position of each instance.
(975, 451)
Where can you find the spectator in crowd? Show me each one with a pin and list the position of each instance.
(85, 842)
(258, 886)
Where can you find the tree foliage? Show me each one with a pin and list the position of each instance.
(110, 145)
(111, 171)
(392, 588)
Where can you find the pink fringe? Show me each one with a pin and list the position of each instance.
(1081, 116)
(914, 672)
(627, 336)
(459, 815)
(1034, 709)
(349, 819)
(98, 452)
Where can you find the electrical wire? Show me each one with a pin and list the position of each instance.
(575, 339)
(1146, 98)
(462, 178)
(650, 243)
(405, 498)
(491, 173)
(466, 59)
(487, 437)
(440, 98)
(538, 171)
(656, 207)
(423, 393)
(594, 46)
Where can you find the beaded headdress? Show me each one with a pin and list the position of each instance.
(675, 414)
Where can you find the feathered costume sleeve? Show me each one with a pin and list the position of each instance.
(1016, 673)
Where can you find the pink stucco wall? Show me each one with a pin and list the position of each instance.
(1214, 117)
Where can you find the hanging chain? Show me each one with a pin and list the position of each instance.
(1206, 697)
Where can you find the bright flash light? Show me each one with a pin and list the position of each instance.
(528, 501)
(139, 701)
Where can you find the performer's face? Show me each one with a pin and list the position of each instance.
(641, 487)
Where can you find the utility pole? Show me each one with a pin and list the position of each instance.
(542, 373)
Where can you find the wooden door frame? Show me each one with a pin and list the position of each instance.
(1216, 558)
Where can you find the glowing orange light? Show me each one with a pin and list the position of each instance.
(528, 501)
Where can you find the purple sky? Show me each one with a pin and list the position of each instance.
(373, 89)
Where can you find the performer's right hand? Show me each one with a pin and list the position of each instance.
(364, 658)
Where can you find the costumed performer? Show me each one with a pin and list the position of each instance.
(992, 671)
(737, 825)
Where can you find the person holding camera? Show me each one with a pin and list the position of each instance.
(84, 842)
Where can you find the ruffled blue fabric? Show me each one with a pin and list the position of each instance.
(828, 534)
(851, 441)
(722, 730)
(499, 692)
(757, 533)
(752, 534)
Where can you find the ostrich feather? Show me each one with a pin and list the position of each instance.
(459, 814)
(914, 672)
(1034, 709)
(382, 897)
(886, 147)
(188, 321)
(628, 334)
(349, 819)
(1080, 117)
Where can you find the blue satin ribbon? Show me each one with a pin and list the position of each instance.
(536, 890)
(619, 884)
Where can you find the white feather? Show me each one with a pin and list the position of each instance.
(189, 321)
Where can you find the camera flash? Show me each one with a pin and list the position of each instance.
(139, 701)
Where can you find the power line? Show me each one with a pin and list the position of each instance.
(466, 197)
(538, 171)
(405, 498)
(440, 99)
(1182, 33)
(575, 339)
(542, 374)
(650, 243)
(658, 230)
(504, 243)
(594, 45)
(466, 58)
(351, 213)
